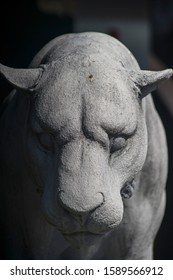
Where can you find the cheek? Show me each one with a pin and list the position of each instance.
(132, 159)
(40, 163)
(139, 147)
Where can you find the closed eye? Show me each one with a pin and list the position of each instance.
(46, 141)
(118, 138)
(117, 143)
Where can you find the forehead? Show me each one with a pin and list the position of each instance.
(85, 87)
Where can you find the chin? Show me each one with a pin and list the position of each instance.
(80, 240)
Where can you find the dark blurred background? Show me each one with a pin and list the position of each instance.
(145, 27)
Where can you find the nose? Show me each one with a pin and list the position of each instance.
(80, 205)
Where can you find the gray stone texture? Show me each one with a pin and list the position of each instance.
(83, 154)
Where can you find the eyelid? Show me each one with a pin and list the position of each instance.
(124, 133)
(130, 133)
(46, 143)
(115, 132)
(38, 130)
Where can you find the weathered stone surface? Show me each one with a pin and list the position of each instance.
(83, 155)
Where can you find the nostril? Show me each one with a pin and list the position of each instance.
(103, 198)
(80, 205)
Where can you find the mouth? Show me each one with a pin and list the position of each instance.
(83, 238)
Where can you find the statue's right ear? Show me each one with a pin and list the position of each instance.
(22, 79)
(148, 81)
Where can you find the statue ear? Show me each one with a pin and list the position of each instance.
(21, 79)
(148, 81)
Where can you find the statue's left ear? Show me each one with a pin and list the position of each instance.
(148, 81)
(21, 79)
